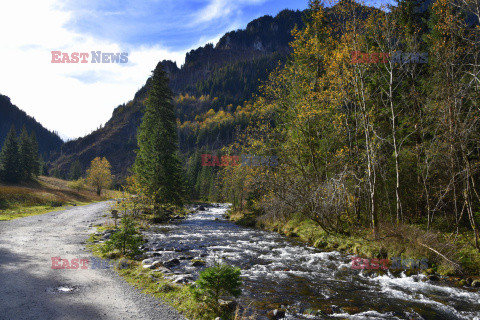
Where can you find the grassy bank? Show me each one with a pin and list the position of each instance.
(457, 259)
(149, 281)
(41, 196)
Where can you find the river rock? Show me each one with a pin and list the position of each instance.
(468, 281)
(276, 314)
(163, 270)
(198, 263)
(106, 236)
(369, 273)
(148, 261)
(227, 305)
(476, 284)
(433, 278)
(336, 309)
(183, 278)
(171, 263)
(139, 257)
(201, 208)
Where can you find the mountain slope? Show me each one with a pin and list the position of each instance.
(226, 75)
(49, 143)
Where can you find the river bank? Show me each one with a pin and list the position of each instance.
(284, 274)
(404, 242)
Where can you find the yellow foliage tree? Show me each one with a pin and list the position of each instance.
(99, 174)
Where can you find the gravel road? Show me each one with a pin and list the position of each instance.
(31, 289)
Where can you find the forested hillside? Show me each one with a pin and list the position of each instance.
(373, 126)
(211, 89)
(48, 142)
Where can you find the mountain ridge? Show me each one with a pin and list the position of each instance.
(49, 142)
(230, 71)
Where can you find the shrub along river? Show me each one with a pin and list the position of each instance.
(279, 272)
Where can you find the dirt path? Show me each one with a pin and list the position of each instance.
(29, 287)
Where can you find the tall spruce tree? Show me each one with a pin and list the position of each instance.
(35, 155)
(27, 155)
(75, 170)
(157, 164)
(9, 159)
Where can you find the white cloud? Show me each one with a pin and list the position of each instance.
(75, 99)
(53, 93)
(221, 9)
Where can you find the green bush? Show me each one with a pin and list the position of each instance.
(78, 185)
(3, 204)
(215, 282)
(126, 239)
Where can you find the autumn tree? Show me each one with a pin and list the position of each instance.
(454, 47)
(99, 174)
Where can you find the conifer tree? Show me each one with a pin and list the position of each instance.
(9, 158)
(26, 155)
(36, 161)
(75, 170)
(157, 163)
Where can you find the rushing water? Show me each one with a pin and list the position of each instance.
(278, 271)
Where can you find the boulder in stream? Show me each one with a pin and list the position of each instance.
(276, 314)
(148, 261)
(183, 278)
(171, 263)
(198, 263)
(433, 278)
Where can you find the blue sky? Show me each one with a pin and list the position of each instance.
(174, 24)
(74, 99)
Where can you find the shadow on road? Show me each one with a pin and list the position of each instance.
(27, 294)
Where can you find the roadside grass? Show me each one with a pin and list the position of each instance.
(178, 296)
(150, 281)
(405, 241)
(43, 195)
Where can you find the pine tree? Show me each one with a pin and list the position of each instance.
(157, 163)
(42, 167)
(36, 161)
(9, 158)
(75, 170)
(26, 155)
(193, 169)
